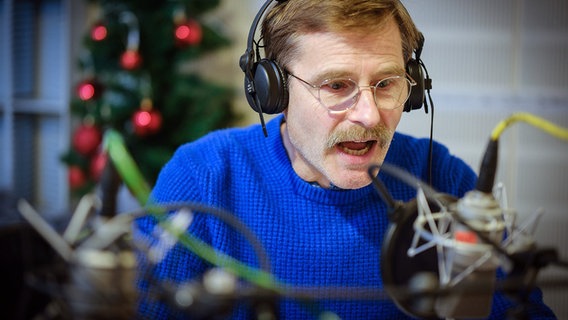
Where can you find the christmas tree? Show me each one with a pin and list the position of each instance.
(133, 82)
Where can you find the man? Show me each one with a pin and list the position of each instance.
(304, 189)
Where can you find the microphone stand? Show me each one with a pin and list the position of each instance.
(525, 268)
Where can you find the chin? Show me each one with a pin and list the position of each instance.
(353, 182)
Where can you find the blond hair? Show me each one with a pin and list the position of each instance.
(287, 20)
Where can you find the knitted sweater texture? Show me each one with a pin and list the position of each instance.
(313, 237)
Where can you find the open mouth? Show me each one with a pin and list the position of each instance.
(355, 148)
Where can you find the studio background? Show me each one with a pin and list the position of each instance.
(488, 59)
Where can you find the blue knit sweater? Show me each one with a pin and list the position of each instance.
(313, 237)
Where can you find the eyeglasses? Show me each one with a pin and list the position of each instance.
(338, 95)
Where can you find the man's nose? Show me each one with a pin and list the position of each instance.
(365, 111)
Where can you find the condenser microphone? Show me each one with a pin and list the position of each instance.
(410, 280)
(478, 229)
(441, 249)
(472, 264)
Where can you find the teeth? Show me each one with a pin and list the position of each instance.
(359, 152)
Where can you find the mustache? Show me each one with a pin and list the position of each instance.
(380, 133)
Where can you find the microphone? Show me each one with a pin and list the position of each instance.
(478, 228)
(109, 185)
(215, 296)
(442, 249)
(440, 254)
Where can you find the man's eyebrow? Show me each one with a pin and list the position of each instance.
(392, 70)
(332, 74)
(379, 75)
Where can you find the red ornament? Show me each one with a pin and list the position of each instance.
(147, 120)
(86, 139)
(76, 177)
(188, 32)
(99, 32)
(130, 59)
(89, 89)
(97, 165)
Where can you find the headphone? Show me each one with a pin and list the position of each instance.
(416, 69)
(266, 85)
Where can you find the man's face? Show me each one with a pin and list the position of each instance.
(338, 148)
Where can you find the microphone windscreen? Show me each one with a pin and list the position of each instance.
(410, 281)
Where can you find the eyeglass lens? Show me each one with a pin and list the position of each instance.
(341, 94)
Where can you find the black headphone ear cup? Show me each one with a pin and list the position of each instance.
(416, 99)
(271, 87)
(248, 93)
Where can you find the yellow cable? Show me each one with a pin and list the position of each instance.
(540, 123)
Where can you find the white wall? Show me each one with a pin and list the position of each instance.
(489, 59)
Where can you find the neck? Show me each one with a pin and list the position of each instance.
(304, 170)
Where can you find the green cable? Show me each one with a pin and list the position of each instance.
(132, 177)
(114, 145)
(204, 251)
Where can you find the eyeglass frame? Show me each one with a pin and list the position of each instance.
(373, 88)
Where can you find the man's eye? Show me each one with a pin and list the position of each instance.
(384, 83)
(338, 85)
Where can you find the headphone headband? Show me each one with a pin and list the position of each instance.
(248, 57)
(266, 86)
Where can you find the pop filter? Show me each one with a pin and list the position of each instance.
(434, 263)
(410, 280)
